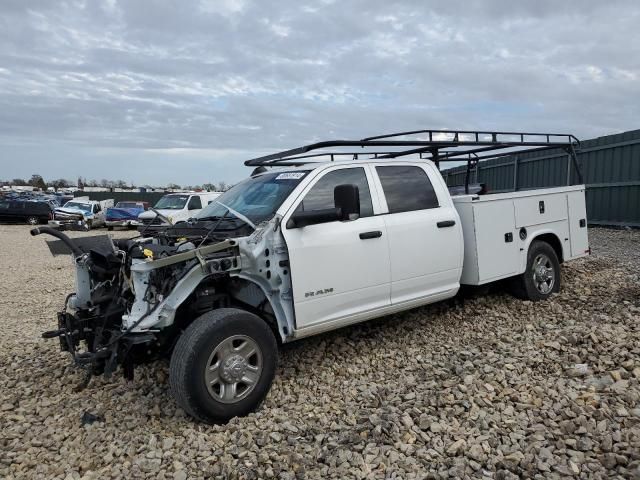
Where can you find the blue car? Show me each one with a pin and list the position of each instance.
(125, 214)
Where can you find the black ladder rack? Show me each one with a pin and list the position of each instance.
(435, 145)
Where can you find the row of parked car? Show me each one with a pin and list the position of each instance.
(85, 213)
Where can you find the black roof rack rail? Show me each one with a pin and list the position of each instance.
(440, 145)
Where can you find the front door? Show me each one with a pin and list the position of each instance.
(338, 269)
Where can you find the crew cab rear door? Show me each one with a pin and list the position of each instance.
(424, 232)
(339, 269)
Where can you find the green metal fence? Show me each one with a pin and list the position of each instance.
(610, 165)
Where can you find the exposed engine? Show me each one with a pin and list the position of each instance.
(133, 296)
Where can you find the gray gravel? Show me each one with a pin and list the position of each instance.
(489, 388)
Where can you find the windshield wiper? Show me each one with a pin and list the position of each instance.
(214, 217)
(238, 214)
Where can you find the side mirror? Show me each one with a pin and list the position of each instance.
(346, 198)
(313, 217)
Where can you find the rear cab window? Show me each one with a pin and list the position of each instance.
(407, 188)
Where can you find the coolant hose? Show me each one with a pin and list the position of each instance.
(58, 234)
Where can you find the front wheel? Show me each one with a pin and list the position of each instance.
(223, 365)
(33, 220)
(542, 275)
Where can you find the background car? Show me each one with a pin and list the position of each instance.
(32, 213)
(80, 213)
(174, 208)
(124, 214)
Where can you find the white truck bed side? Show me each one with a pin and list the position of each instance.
(499, 228)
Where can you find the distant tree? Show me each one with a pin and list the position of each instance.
(91, 183)
(120, 184)
(211, 187)
(19, 182)
(223, 187)
(38, 182)
(60, 183)
(81, 182)
(173, 186)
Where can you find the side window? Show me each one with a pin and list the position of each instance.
(407, 188)
(195, 203)
(96, 208)
(321, 194)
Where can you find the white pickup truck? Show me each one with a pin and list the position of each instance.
(302, 249)
(173, 208)
(80, 213)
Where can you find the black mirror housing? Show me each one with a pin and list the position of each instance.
(347, 199)
(313, 217)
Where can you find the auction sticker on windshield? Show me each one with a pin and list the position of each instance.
(290, 176)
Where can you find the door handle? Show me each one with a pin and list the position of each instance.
(446, 223)
(367, 235)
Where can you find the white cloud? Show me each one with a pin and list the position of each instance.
(125, 82)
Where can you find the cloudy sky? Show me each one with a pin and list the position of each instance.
(183, 91)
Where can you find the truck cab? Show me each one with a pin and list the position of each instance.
(382, 261)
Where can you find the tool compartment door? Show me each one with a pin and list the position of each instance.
(496, 242)
(578, 223)
(538, 209)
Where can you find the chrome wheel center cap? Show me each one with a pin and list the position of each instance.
(542, 273)
(233, 369)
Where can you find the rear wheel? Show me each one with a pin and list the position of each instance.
(223, 365)
(542, 275)
(33, 220)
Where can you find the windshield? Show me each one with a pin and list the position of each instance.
(85, 207)
(256, 198)
(172, 202)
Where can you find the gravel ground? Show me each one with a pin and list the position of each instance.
(490, 387)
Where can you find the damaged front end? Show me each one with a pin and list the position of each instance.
(134, 297)
(124, 307)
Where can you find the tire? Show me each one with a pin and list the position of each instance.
(538, 283)
(33, 221)
(224, 337)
